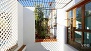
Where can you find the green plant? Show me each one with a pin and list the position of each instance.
(41, 23)
(47, 36)
(38, 18)
(42, 35)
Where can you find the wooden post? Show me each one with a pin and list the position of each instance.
(83, 22)
(74, 23)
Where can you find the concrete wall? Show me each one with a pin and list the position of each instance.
(29, 32)
(20, 25)
(29, 28)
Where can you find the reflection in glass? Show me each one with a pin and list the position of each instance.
(87, 38)
(70, 17)
(69, 24)
(71, 13)
(88, 16)
(70, 29)
(78, 36)
(69, 33)
(88, 23)
(78, 19)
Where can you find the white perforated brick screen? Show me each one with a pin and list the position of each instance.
(8, 24)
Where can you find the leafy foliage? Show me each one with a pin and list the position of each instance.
(41, 23)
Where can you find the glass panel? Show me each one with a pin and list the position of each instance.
(87, 39)
(78, 36)
(78, 19)
(88, 16)
(88, 23)
(69, 32)
(70, 24)
(71, 13)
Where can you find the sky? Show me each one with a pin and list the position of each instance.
(32, 2)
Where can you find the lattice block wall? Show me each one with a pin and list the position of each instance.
(8, 24)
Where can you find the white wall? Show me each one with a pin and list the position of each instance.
(29, 28)
(20, 25)
(29, 32)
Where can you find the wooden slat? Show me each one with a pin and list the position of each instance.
(22, 48)
(12, 48)
(74, 23)
(74, 17)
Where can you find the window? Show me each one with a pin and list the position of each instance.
(78, 18)
(71, 13)
(88, 16)
(79, 26)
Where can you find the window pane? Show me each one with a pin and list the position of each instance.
(88, 16)
(69, 33)
(87, 39)
(88, 23)
(71, 13)
(78, 36)
(70, 30)
(78, 19)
